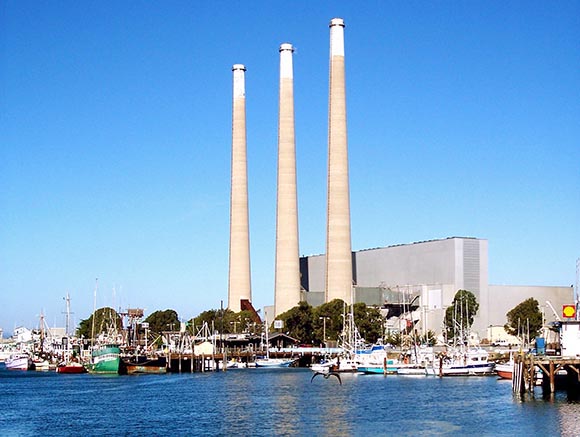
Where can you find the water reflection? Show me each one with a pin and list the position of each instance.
(569, 418)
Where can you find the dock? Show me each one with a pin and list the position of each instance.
(551, 372)
(187, 362)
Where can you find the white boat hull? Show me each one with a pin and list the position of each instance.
(18, 362)
(274, 362)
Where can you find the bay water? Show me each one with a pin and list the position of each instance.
(264, 402)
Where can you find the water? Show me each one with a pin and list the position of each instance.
(273, 402)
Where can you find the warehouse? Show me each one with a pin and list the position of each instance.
(429, 273)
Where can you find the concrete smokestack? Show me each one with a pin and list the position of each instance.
(239, 285)
(287, 287)
(338, 245)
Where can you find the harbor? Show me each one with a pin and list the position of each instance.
(274, 402)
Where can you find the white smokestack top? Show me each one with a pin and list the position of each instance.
(239, 80)
(286, 51)
(287, 287)
(338, 246)
(336, 37)
(239, 284)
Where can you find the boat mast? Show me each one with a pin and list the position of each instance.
(67, 299)
(94, 311)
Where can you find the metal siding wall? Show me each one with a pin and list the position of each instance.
(471, 266)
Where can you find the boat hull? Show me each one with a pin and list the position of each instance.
(71, 368)
(18, 362)
(459, 370)
(274, 362)
(105, 360)
(505, 371)
(377, 369)
(143, 365)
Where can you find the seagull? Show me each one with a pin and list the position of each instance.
(327, 375)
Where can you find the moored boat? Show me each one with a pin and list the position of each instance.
(143, 364)
(412, 369)
(104, 359)
(18, 361)
(71, 367)
(388, 366)
(505, 370)
(40, 364)
(472, 362)
(275, 362)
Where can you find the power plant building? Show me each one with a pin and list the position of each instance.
(428, 274)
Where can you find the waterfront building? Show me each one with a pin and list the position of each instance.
(429, 273)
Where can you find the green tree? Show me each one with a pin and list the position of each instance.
(394, 339)
(298, 322)
(524, 318)
(369, 322)
(160, 321)
(330, 316)
(106, 320)
(459, 316)
(233, 323)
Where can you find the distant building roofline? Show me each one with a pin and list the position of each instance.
(402, 244)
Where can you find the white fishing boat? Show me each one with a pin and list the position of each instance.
(341, 364)
(466, 362)
(18, 361)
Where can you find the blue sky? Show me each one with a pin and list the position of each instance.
(115, 140)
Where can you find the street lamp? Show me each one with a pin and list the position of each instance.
(323, 329)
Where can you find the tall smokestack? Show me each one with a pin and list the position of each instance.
(287, 288)
(338, 248)
(239, 285)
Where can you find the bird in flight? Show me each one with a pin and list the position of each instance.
(327, 375)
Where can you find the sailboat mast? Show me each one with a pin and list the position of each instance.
(94, 311)
(67, 299)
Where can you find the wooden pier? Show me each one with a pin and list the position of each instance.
(189, 363)
(552, 373)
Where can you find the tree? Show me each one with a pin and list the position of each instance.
(525, 317)
(226, 321)
(369, 322)
(160, 321)
(298, 322)
(459, 316)
(106, 320)
(328, 317)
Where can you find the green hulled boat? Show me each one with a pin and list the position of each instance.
(104, 359)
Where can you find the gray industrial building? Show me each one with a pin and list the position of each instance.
(428, 274)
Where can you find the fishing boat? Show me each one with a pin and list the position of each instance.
(375, 360)
(505, 370)
(40, 364)
(387, 366)
(340, 364)
(468, 362)
(141, 364)
(104, 359)
(73, 367)
(18, 361)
